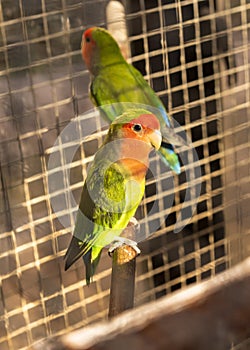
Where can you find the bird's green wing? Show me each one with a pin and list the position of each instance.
(113, 86)
(124, 83)
(115, 203)
(107, 203)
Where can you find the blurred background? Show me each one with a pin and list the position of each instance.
(195, 54)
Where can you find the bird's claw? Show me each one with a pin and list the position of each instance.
(120, 241)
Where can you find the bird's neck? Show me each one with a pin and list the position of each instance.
(135, 158)
(135, 169)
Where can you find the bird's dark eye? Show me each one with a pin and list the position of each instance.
(87, 39)
(137, 127)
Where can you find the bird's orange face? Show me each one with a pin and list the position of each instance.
(99, 49)
(139, 137)
(145, 128)
(88, 46)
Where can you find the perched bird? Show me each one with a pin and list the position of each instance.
(115, 82)
(114, 186)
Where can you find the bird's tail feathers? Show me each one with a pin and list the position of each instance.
(91, 265)
(91, 256)
(170, 158)
(74, 252)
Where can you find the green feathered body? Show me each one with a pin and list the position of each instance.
(121, 82)
(115, 81)
(111, 194)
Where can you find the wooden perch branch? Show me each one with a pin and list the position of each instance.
(210, 315)
(122, 280)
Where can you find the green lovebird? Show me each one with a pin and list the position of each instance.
(114, 186)
(115, 82)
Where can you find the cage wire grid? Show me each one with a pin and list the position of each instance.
(44, 84)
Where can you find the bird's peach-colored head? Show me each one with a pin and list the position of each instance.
(88, 46)
(146, 128)
(138, 137)
(99, 48)
(135, 133)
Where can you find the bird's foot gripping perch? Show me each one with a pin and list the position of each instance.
(120, 241)
(127, 237)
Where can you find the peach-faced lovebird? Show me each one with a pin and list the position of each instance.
(114, 186)
(114, 81)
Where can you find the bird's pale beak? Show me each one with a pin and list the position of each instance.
(155, 139)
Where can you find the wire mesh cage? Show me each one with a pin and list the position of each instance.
(195, 55)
